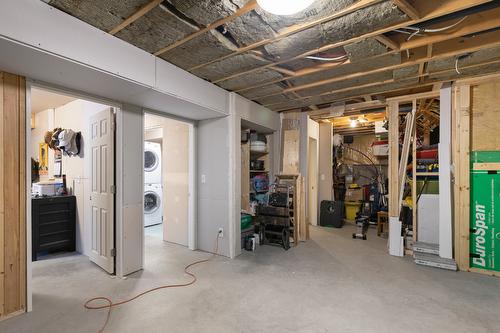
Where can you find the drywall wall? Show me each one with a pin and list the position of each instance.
(213, 164)
(325, 185)
(129, 178)
(99, 64)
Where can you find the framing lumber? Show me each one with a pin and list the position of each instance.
(462, 178)
(407, 8)
(446, 41)
(249, 6)
(294, 29)
(12, 195)
(430, 11)
(455, 46)
(135, 16)
(387, 42)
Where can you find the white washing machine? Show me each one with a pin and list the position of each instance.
(152, 163)
(153, 204)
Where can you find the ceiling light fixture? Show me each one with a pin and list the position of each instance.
(354, 122)
(284, 7)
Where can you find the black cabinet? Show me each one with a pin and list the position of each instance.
(53, 224)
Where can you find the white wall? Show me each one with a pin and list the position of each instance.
(213, 184)
(325, 191)
(130, 193)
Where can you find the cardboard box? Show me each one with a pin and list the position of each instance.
(354, 194)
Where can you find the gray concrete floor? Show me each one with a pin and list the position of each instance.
(332, 283)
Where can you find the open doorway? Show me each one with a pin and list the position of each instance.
(166, 183)
(71, 152)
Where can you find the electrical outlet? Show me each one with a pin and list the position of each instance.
(221, 232)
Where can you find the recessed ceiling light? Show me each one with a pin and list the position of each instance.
(284, 7)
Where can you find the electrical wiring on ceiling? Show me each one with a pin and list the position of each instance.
(341, 58)
(109, 304)
(417, 31)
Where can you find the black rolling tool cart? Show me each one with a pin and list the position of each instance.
(274, 218)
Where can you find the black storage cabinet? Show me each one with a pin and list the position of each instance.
(331, 214)
(53, 224)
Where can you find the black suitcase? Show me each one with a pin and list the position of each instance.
(331, 214)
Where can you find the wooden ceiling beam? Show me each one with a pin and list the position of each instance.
(135, 16)
(249, 6)
(455, 46)
(429, 83)
(294, 29)
(431, 10)
(407, 8)
(387, 42)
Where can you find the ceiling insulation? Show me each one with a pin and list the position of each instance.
(223, 68)
(217, 55)
(206, 47)
(156, 29)
(260, 76)
(104, 15)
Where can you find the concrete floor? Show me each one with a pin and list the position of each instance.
(329, 284)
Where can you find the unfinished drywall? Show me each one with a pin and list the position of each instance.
(212, 184)
(325, 184)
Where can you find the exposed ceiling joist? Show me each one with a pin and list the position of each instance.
(293, 30)
(387, 42)
(135, 16)
(249, 6)
(459, 46)
(362, 106)
(497, 60)
(407, 8)
(430, 11)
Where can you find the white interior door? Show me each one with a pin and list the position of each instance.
(102, 189)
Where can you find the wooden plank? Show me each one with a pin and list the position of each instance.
(393, 115)
(407, 8)
(249, 6)
(387, 42)
(135, 16)
(2, 201)
(13, 205)
(22, 193)
(11, 164)
(293, 30)
(414, 183)
(486, 166)
(439, 9)
(245, 176)
(462, 181)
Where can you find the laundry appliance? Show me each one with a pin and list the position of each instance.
(152, 163)
(153, 204)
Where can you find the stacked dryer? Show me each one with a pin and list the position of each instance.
(153, 194)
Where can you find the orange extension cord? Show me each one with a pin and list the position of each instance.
(110, 303)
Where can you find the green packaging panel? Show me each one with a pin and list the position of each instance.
(485, 220)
